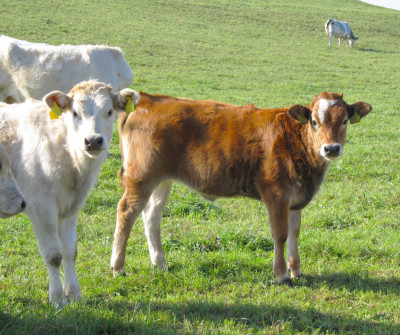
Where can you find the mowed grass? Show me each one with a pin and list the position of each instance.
(220, 279)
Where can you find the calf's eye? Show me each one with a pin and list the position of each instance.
(345, 122)
(314, 123)
(110, 112)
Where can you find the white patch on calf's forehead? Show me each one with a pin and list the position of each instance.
(324, 104)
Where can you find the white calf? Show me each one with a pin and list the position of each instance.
(12, 201)
(56, 163)
(340, 30)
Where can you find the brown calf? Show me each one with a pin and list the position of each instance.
(279, 156)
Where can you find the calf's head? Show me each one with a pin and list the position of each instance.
(11, 200)
(352, 41)
(327, 120)
(89, 112)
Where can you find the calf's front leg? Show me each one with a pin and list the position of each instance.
(278, 213)
(67, 233)
(45, 225)
(292, 243)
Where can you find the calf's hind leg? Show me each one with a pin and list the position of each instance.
(152, 222)
(129, 207)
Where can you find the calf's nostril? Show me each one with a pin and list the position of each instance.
(87, 142)
(23, 205)
(100, 141)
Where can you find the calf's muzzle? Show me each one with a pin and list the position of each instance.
(332, 150)
(95, 142)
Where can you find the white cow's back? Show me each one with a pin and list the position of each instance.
(34, 69)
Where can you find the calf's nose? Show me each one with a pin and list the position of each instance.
(331, 150)
(94, 142)
(23, 204)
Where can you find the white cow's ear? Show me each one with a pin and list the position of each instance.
(61, 99)
(125, 96)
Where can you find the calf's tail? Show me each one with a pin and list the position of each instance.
(330, 21)
(121, 123)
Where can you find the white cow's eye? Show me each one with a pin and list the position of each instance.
(74, 113)
(110, 112)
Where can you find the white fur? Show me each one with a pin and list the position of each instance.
(34, 69)
(324, 104)
(56, 171)
(12, 201)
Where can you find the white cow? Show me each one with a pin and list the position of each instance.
(12, 201)
(56, 163)
(34, 69)
(340, 30)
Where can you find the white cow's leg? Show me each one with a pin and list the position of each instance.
(330, 39)
(152, 221)
(347, 42)
(67, 233)
(45, 224)
(339, 40)
(293, 251)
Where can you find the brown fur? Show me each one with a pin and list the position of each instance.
(222, 150)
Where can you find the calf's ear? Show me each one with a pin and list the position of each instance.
(61, 99)
(126, 99)
(300, 113)
(358, 111)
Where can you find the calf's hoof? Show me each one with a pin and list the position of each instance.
(58, 303)
(74, 297)
(161, 267)
(287, 282)
(295, 274)
(117, 273)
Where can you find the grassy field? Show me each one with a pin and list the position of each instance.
(220, 253)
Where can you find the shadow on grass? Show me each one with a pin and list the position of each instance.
(378, 51)
(352, 282)
(148, 317)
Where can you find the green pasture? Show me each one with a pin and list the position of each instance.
(220, 280)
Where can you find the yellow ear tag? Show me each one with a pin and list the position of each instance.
(302, 119)
(130, 106)
(55, 111)
(355, 118)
